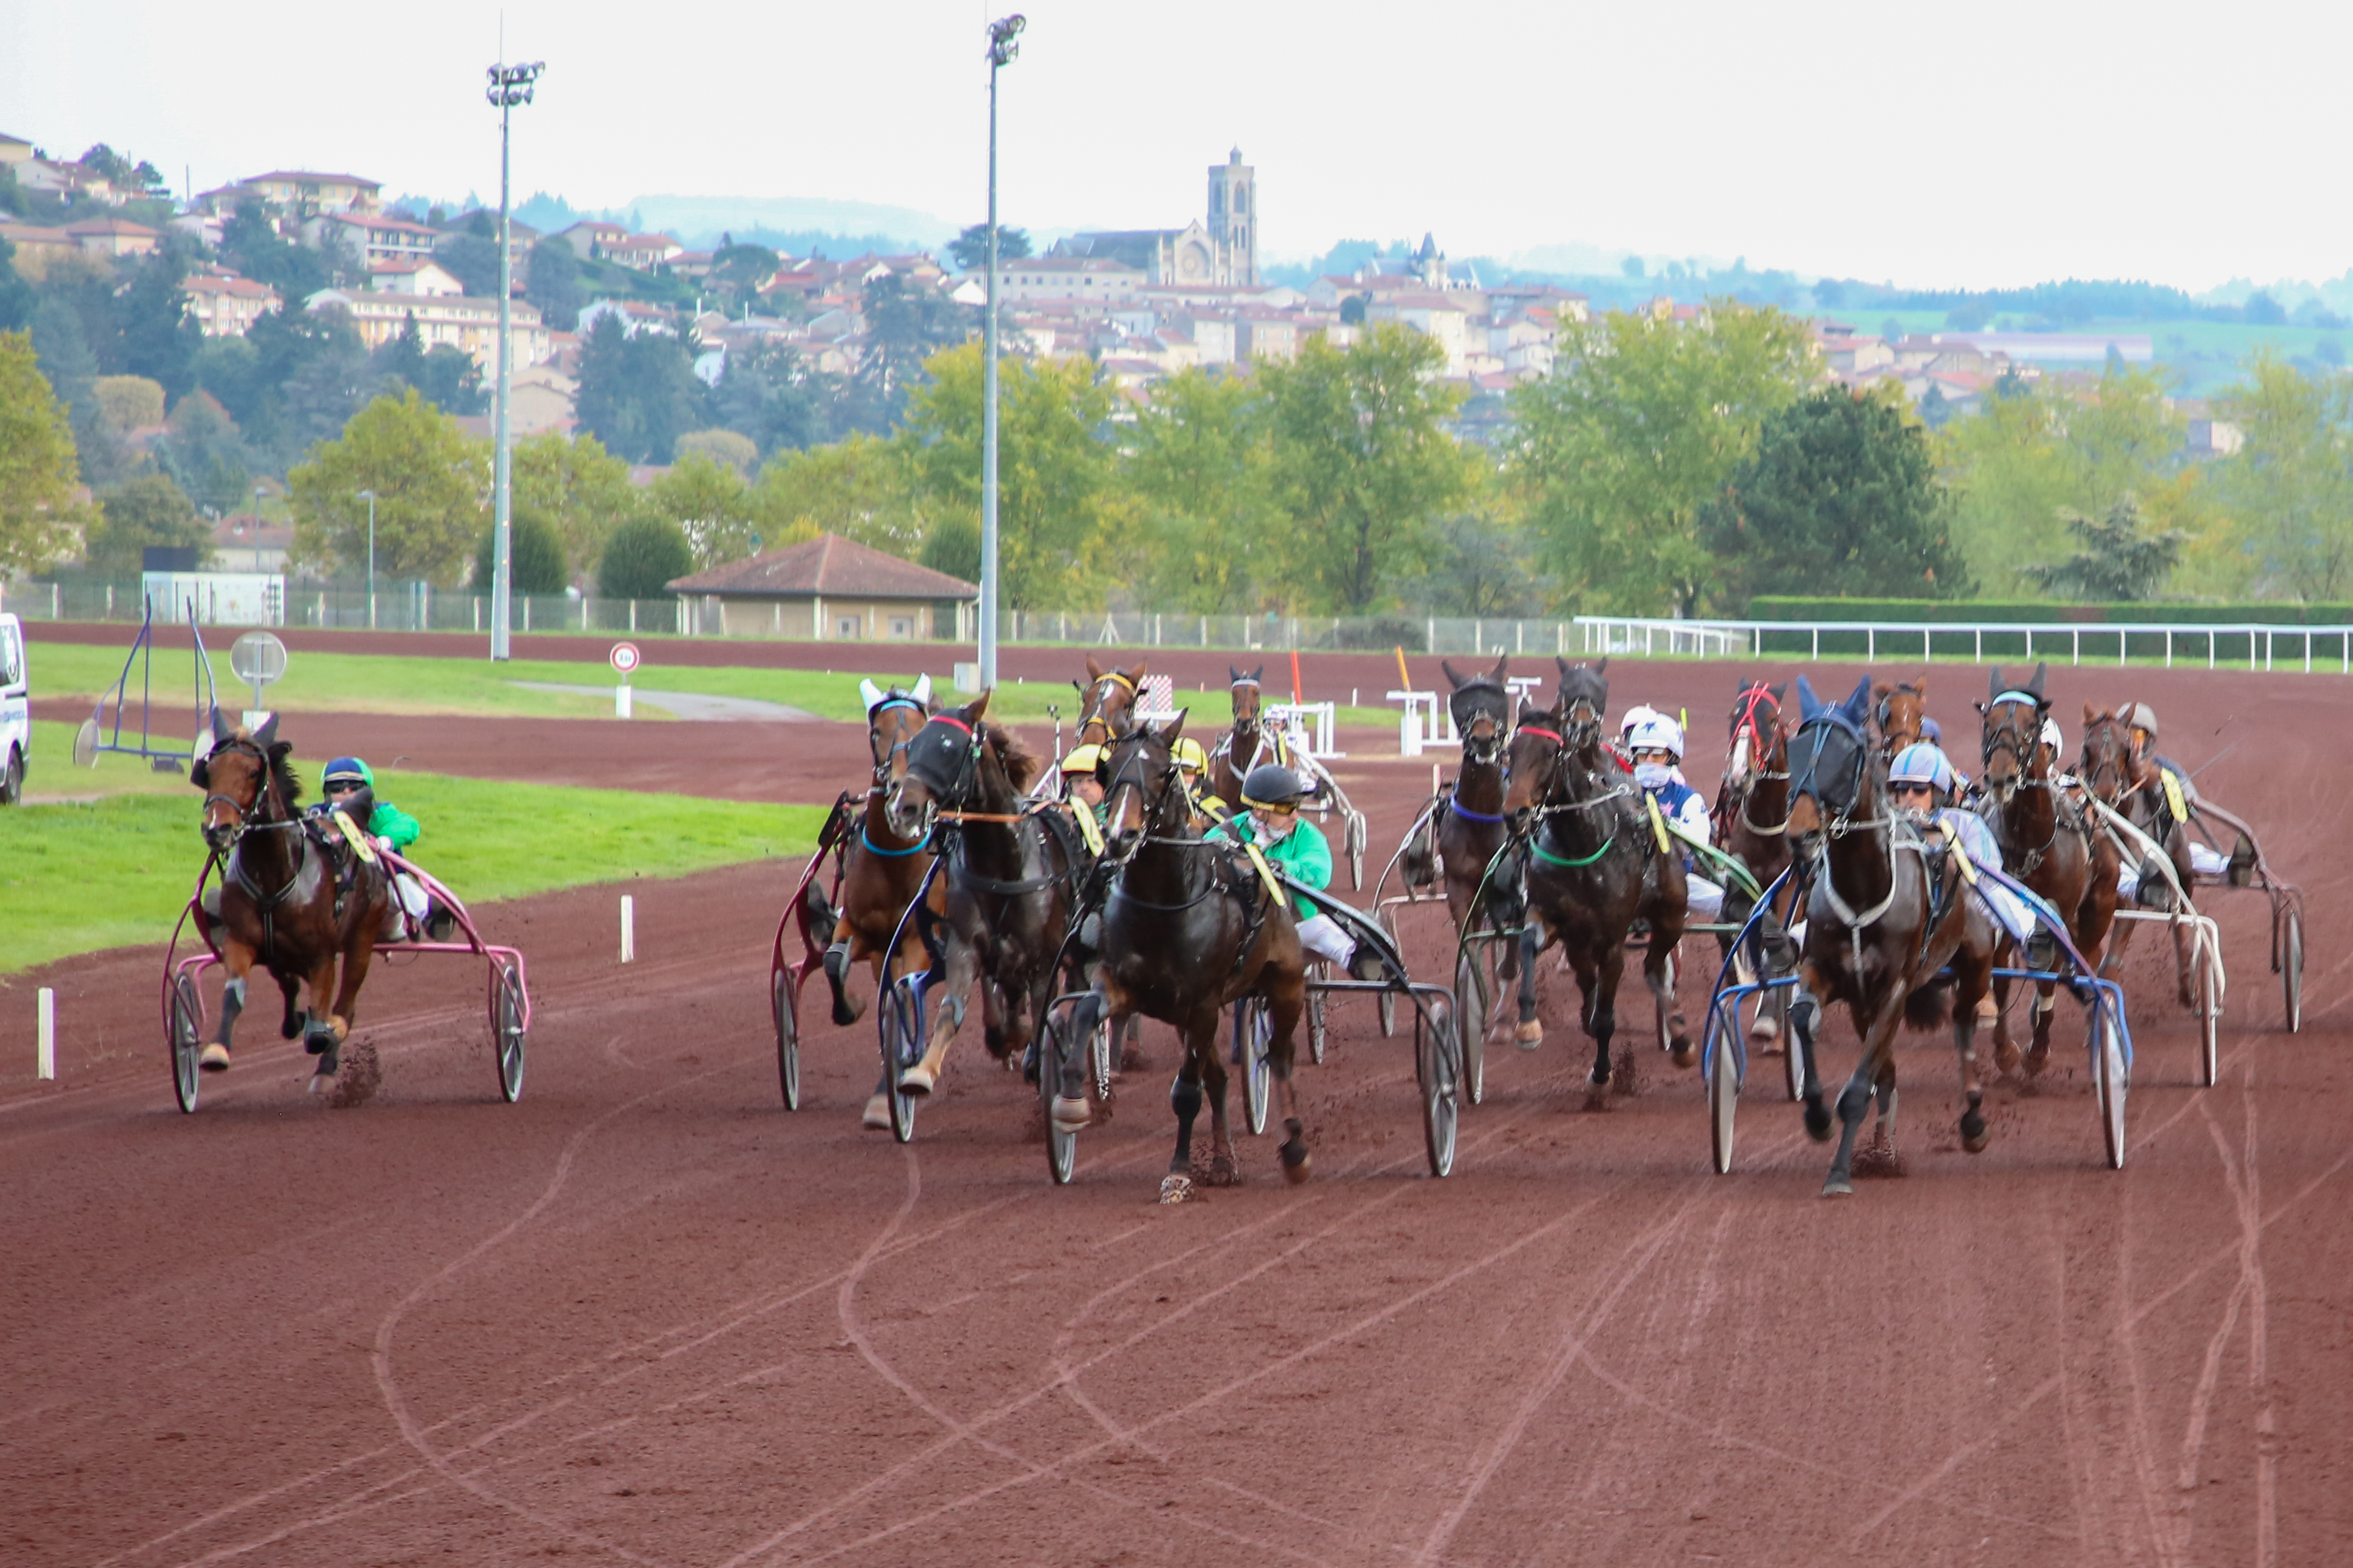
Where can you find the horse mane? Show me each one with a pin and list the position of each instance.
(1020, 763)
(290, 783)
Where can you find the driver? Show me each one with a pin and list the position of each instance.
(347, 783)
(2141, 728)
(1192, 772)
(1295, 846)
(1920, 782)
(1657, 744)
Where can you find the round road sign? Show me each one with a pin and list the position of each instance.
(257, 659)
(624, 657)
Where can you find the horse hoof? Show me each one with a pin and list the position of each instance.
(1069, 1115)
(1175, 1189)
(1818, 1122)
(1295, 1162)
(1681, 1052)
(1763, 1028)
(919, 1079)
(845, 1013)
(1598, 1078)
(215, 1058)
(320, 1040)
(1974, 1138)
(1222, 1172)
(2037, 1060)
(1838, 1187)
(878, 1114)
(1530, 1036)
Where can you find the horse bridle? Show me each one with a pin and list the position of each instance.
(1090, 713)
(948, 814)
(2010, 736)
(1840, 820)
(883, 759)
(245, 823)
(1744, 722)
(1472, 750)
(1884, 710)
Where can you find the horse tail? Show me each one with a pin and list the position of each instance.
(1929, 1007)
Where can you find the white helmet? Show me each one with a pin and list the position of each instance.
(1657, 733)
(1921, 764)
(1635, 719)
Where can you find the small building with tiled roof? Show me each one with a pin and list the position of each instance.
(831, 589)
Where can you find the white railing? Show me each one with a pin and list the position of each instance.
(2098, 642)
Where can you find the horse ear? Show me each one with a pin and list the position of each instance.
(267, 735)
(1920, 687)
(1779, 691)
(1135, 675)
(870, 694)
(922, 692)
(1175, 726)
(2042, 673)
(1501, 660)
(1258, 674)
(1094, 670)
(1452, 678)
(978, 706)
(1881, 689)
(1808, 704)
(1994, 684)
(2091, 714)
(1233, 676)
(1858, 705)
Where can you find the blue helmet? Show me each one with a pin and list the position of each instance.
(347, 769)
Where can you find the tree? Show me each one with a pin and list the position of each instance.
(708, 502)
(1634, 435)
(1482, 569)
(554, 284)
(766, 394)
(17, 296)
(308, 376)
(1840, 489)
(1202, 464)
(644, 556)
(575, 487)
(969, 250)
(2290, 487)
(252, 247)
(202, 453)
(535, 557)
(432, 483)
(445, 375)
(863, 488)
(147, 510)
(2117, 560)
(159, 338)
(905, 326)
(38, 521)
(1056, 482)
(731, 447)
(473, 261)
(638, 393)
(1362, 463)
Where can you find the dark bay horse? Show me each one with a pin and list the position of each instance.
(1010, 873)
(1250, 742)
(1595, 866)
(1106, 702)
(2046, 843)
(1752, 817)
(1188, 930)
(291, 900)
(882, 871)
(1883, 921)
(1464, 826)
(1898, 710)
(2134, 787)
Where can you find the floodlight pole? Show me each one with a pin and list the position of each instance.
(1004, 34)
(510, 85)
(369, 496)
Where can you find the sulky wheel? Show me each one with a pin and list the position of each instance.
(1353, 839)
(188, 1024)
(506, 1021)
(1315, 1011)
(1061, 1146)
(2292, 968)
(1665, 1024)
(785, 1003)
(1793, 1049)
(1386, 1003)
(1252, 1030)
(2110, 1080)
(900, 1027)
(1471, 993)
(1437, 1063)
(1722, 1086)
(2209, 1020)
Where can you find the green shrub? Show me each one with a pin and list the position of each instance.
(537, 557)
(641, 558)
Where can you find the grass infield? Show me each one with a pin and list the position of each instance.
(86, 875)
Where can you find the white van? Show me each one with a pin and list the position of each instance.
(15, 711)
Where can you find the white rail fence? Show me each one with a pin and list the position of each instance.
(2215, 645)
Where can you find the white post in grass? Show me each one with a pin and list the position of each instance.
(629, 929)
(47, 1059)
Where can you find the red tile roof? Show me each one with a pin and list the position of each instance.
(826, 564)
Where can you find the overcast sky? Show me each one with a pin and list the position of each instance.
(1996, 143)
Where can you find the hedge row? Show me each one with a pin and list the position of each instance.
(1779, 607)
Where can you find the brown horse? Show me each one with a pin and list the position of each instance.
(1595, 866)
(291, 898)
(1189, 928)
(1752, 819)
(2134, 787)
(1250, 742)
(1010, 873)
(1897, 711)
(1883, 921)
(2046, 843)
(1106, 702)
(881, 871)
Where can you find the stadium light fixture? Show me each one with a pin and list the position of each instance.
(510, 85)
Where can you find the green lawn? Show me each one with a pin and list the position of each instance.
(342, 682)
(78, 878)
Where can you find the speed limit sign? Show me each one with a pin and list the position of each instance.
(624, 657)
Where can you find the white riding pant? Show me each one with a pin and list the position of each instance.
(412, 894)
(1325, 937)
(2009, 910)
(2203, 862)
(1704, 899)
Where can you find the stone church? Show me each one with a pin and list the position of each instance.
(1222, 252)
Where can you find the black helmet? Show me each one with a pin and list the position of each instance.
(1272, 783)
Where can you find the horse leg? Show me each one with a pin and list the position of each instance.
(1854, 1099)
(847, 949)
(1531, 1032)
(1287, 1002)
(1185, 1097)
(240, 960)
(876, 1118)
(1225, 1159)
(324, 1036)
(2045, 1004)
(1598, 979)
(2005, 1049)
(290, 1024)
(1805, 1024)
(2181, 962)
(1662, 997)
(963, 960)
(1883, 1132)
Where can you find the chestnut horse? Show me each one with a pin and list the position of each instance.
(2134, 787)
(1106, 702)
(1752, 821)
(1249, 743)
(1595, 866)
(2046, 843)
(291, 900)
(1883, 921)
(1188, 930)
(1897, 710)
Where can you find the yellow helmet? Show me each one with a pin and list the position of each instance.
(1085, 760)
(1189, 756)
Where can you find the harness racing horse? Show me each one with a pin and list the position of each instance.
(1010, 863)
(1249, 743)
(2134, 787)
(1106, 702)
(1464, 826)
(1752, 818)
(290, 900)
(2046, 843)
(1183, 934)
(881, 870)
(1595, 866)
(1886, 916)
(1897, 711)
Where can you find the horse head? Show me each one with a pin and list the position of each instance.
(1583, 697)
(1248, 696)
(1480, 706)
(938, 770)
(2011, 746)
(1832, 776)
(1106, 701)
(1897, 712)
(1138, 770)
(247, 781)
(1758, 743)
(892, 720)
(1539, 743)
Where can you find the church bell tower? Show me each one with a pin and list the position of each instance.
(1233, 218)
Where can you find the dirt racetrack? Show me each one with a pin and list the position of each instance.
(646, 1315)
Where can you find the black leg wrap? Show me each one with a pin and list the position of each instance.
(837, 961)
(1185, 1100)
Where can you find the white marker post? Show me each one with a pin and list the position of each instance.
(625, 659)
(48, 1009)
(628, 925)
